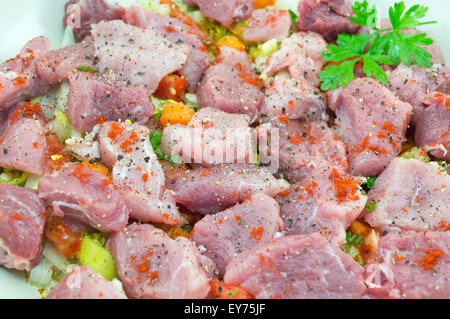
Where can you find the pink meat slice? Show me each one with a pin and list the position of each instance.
(86, 196)
(22, 218)
(178, 32)
(372, 122)
(414, 265)
(23, 145)
(83, 283)
(227, 234)
(266, 24)
(19, 79)
(211, 137)
(151, 265)
(81, 14)
(410, 195)
(214, 189)
(326, 17)
(433, 125)
(140, 56)
(326, 201)
(94, 97)
(303, 146)
(56, 65)
(297, 267)
(126, 149)
(300, 55)
(293, 99)
(224, 11)
(412, 84)
(231, 85)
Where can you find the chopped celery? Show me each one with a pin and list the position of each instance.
(354, 252)
(416, 153)
(32, 181)
(190, 100)
(264, 49)
(62, 127)
(13, 177)
(98, 258)
(36, 100)
(214, 30)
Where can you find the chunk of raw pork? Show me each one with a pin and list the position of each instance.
(231, 85)
(22, 218)
(214, 189)
(224, 235)
(152, 265)
(294, 99)
(225, 11)
(414, 265)
(266, 24)
(19, 79)
(81, 14)
(372, 122)
(433, 125)
(83, 283)
(95, 98)
(178, 32)
(23, 145)
(140, 56)
(86, 196)
(126, 149)
(300, 55)
(327, 17)
(211, 137)
(297, 267)
(410, 195)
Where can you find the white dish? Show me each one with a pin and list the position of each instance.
(21, 20)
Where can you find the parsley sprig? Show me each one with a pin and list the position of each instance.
(387, 46)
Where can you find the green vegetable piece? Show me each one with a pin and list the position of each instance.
(13, 177)
(98, 258)
(369, 183)
(443, 165)
(87, 69)
(370, 207)
(294, 17)
(416, 153)
(354, 239)
(353, 252)
(374, 49)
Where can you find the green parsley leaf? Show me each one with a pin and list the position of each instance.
(443, 165)
(409, 19)
(369, 183)
(294, 17)
(370, 207)
(354, 239)
(374, 49)
(155, 140)
(365, 15)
